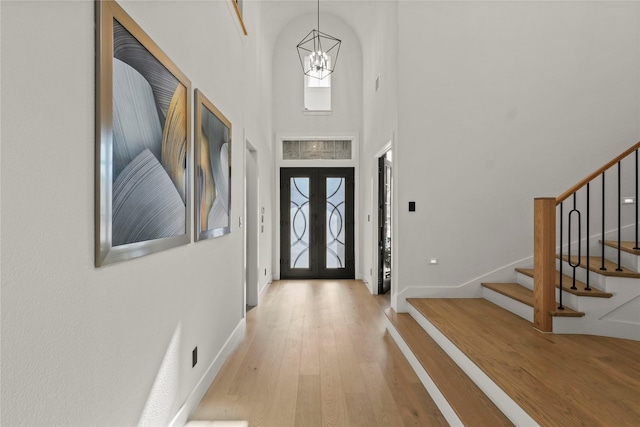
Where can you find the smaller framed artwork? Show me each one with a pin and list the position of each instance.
(212, 170)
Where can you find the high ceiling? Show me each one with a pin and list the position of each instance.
(277, 14)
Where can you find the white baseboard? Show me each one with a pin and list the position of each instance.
(181, 417)
(263, 290)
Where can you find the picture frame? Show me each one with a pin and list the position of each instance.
(143, 138)
(212, 186)
(238, 7)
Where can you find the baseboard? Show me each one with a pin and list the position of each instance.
(470, 289)
(263, 290)
(180, 419)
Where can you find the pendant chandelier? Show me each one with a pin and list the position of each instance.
(318, 52)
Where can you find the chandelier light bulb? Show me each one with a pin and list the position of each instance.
(318, 52)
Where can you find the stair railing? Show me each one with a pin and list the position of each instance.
(549, 210)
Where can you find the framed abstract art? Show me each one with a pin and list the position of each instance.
(212, 149)
(142, 142)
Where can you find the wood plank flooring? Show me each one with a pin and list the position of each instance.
(559, 380)
(317, 354)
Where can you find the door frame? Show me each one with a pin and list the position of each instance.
(318, 230)
(353, 163)
(374, 222)
(251, 229)
(384, 211)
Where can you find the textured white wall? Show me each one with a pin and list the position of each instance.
(346, 95)
(380, 119)
(501, 102)
(80, 345)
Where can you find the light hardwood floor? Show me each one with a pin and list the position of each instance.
(317, 354)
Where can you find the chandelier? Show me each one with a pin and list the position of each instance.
(318, 52)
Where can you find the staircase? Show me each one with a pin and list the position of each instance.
(486, 362)
(485, 366)
(611, 308)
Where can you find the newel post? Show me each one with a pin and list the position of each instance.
(544, 262)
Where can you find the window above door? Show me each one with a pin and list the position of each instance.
(316, 150)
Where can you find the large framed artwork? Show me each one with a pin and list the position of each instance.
(212, 171)
(143, 108)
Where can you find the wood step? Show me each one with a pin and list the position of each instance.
(595, 262)
(525, 295)
(470, 404)
(624, 246)
(567, 281)
(559, 380)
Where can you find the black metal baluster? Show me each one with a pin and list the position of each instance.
(560, 307)
(588, 288)
(603, 268)
(636, 246)
(574, 265)
(619, 214)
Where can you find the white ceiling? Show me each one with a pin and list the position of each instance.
(277, 14)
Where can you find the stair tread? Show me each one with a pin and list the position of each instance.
(525, 295)
(595, 262)
(555, 378)
(624, 246)
(471, 405)
(567, 281)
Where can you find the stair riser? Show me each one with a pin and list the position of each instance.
(516, 307)
(611, 284)
(524, 280)
(570, 300)
(617, 316)
(626, 259)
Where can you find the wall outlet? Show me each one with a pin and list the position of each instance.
(194, 357)
(433, 261)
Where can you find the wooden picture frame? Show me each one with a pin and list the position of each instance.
(238, 6)
(143, 137)
(212, 149)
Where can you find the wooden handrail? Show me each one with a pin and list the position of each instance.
(564, 196)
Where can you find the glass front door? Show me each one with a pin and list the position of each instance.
(316, 237)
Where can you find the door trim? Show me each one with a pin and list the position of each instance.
(317, 235)
(280, 163)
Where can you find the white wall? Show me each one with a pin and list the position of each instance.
(257, 104)
(501, 102)
(289, 118)
(346, 95)
(83, 346)
(380, 120)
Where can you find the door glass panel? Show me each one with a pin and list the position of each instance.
(299, 214)
(387, 221)
(335, 206)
